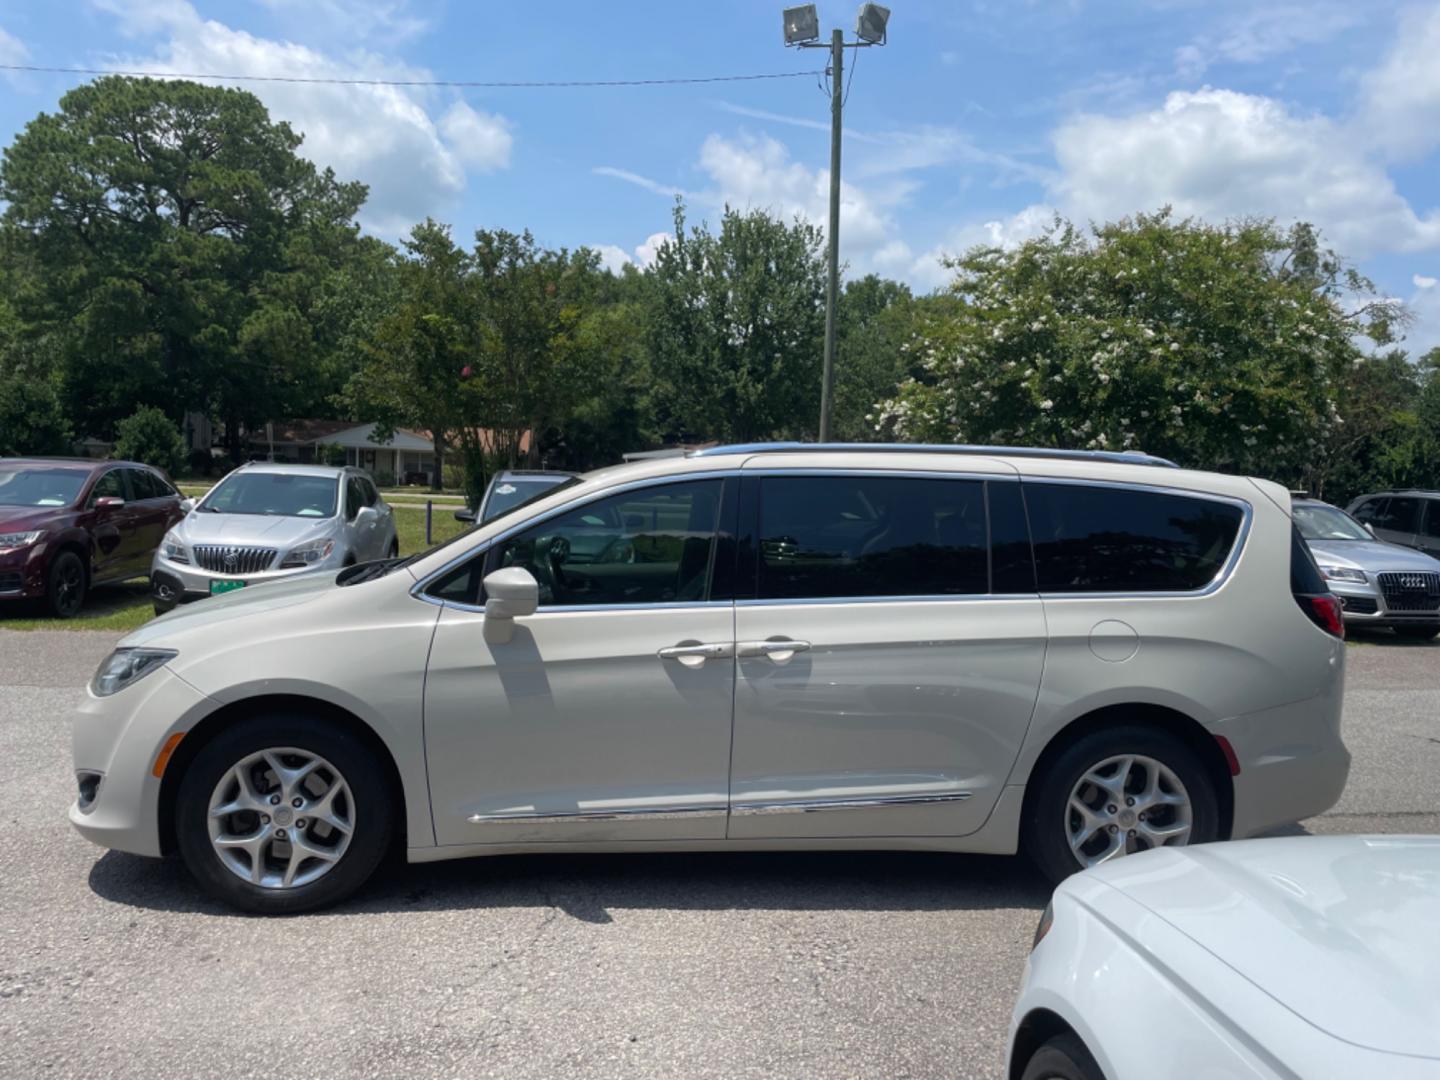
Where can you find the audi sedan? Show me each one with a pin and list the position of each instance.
(264, 522)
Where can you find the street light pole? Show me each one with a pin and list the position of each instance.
(802, 31)
(832, 285)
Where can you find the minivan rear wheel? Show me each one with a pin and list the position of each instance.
(1116, 792)
(282, 814)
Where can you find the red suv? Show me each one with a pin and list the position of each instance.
(68, 524)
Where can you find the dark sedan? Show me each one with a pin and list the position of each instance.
(69, 524)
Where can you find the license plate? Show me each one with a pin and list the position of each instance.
(217, 587)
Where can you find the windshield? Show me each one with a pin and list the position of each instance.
(40, 486)
(537, 492)
(1327, 523)
(274, 494)
(512, 493)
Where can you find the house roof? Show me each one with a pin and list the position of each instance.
(301, 431)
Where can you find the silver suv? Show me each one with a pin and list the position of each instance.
(754, 647)
(1410, 517)
(268, 521)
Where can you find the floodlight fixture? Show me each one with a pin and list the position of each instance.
(802, 24)
(870, 23)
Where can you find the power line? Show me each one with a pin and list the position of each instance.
(460, 83)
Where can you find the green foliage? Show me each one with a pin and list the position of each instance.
(734, 327)
(31, 418)
(148, 436)
(330, 454)
(1221, 347)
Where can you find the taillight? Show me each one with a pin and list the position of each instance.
(1325, 612)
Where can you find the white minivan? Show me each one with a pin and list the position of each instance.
(776, 646)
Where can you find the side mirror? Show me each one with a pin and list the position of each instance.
(1370, 528)
(109, 502)
(467, 515)
(186, 505)
(510, 594)
(366, 514)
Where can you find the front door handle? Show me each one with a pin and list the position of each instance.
(694, 654)
(780, 650)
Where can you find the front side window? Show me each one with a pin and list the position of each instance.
(1369, 511)
(40, 486)
(649, 546)
(354, 497)
(865, 536)
(1400, 515)
(109, 486)
(1102, 539)
(273, 494)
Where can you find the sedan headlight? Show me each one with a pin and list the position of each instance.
(125, 666)
(1343, 573)
(20, 539)
(308, 554)
(173, 549)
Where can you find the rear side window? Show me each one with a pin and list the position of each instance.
(1399, 515)
(1432, 517)
(1116, 539)
(146, 485)
(1370, 510)
(858, 536)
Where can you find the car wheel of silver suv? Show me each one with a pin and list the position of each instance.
(283, 813)
(1117, 792)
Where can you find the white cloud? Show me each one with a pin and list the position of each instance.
(383, 135)
(612, 256)
(1263, 33)
(1424, 305)
(645, 253)
(638, 180)
(1423, 282)
(1400, 108)
(387, 19)
(12, 51)
(1218, 154)
(479, 139)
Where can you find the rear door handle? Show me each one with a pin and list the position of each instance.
(779, 651)
(694, 654)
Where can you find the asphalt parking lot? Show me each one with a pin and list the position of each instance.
(726, 966)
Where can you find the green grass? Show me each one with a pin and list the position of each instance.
(125, 606)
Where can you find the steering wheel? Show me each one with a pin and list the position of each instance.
(556, 554)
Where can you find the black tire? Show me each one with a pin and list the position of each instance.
(1045, 826)
(1063, 1057)
(163, 603)
(373, 812)
(66, 585)
(1418, 633)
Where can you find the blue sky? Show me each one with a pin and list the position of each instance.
(979, 121)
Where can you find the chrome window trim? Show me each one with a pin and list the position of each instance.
(418, 590)
(1237, 548)
(1114, 457)
(814, 806)
(926, 599)
(624, 813)
(880, 470)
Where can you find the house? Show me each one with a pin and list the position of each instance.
(406, 454)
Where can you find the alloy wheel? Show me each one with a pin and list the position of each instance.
(281, 818)
(69, 587)
(1126, 804)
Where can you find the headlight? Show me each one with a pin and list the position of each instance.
(1047, 920)
(125, 666)
(173, 549)
(18, 540)
(309, 554)
(1343, 573)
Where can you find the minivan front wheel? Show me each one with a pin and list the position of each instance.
(1117, 792)
(283, 814)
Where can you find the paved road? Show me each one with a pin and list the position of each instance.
(721, 966)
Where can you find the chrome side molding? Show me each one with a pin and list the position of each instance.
(579, 817)
(812, 806)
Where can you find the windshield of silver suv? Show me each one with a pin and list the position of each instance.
(40, 487)
(1327, 523)
(274, 494)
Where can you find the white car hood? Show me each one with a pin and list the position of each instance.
(1342, 930)
(253, 600)
(258, 530)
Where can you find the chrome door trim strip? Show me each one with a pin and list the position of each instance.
(812, 806)
(581, 817)
(879, 471)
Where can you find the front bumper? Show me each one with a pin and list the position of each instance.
(180, 583)
(22, 571)
(1365, 605)
(116, 742)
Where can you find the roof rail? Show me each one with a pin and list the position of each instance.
(1119, 457)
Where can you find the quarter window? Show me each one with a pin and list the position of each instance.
(1102, 539)
(858, 536)
(649, 546)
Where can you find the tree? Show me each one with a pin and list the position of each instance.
(1222, 347)
(877, 317)
(734, 327)
(148, 436)
(31, 419)
(176, 238)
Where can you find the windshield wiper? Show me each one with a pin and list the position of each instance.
(369, 571)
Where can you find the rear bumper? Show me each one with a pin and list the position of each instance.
(1293, 762)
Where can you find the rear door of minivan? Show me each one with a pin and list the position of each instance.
(889, 645)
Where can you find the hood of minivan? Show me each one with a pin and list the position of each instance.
(1372, 555)
(262, 599)
(1342, 930)
(203, 527)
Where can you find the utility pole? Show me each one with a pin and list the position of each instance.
(832, 285)
(802, 31)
